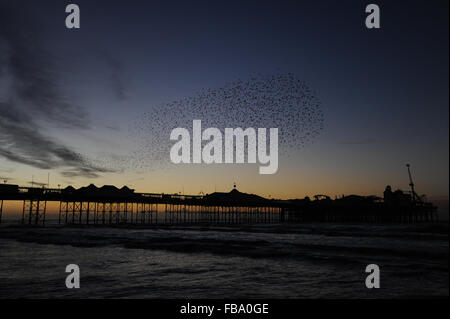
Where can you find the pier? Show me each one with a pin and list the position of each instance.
(109, 205)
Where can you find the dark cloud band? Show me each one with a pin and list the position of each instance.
(32, 95)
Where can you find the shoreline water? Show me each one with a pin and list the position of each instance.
(279, 261)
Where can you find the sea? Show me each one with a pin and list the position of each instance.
(277, 261)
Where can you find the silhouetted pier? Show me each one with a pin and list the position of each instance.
(110, 205)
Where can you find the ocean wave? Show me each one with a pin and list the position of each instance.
(257, 242)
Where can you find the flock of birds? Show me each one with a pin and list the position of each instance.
(278, 101)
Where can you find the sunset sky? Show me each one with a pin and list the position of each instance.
(71, 100)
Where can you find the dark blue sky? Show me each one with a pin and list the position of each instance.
(384, 93)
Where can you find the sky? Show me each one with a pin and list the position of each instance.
(92, 105)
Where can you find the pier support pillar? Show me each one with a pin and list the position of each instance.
(36, 211)
(1, 210)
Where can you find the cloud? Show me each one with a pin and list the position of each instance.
(33, 96)
(30, 72)
(22, 142)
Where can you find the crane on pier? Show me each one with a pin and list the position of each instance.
(416, 198)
